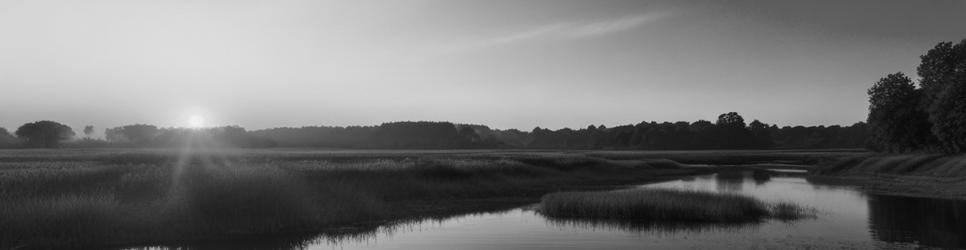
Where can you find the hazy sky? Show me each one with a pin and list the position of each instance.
(507, 64)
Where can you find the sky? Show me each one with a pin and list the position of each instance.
(507, 64)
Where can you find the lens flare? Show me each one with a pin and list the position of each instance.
(196, 121)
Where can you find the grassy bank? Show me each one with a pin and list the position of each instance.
(55, 199)
(661, 205)
(923, 175)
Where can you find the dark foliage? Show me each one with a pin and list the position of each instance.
(140, 135)
(436, 135)
(943, 73)
(88, 131)
(729, 133)
(137, 134)
(895, 119)
(46, 134)
(904, 118)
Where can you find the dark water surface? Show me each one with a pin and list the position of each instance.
(847, 218)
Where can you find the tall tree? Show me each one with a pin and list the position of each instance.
(44, 133)
(731, 119)
(88, 131)
(731, 129)
(895, 119)
(943, 80)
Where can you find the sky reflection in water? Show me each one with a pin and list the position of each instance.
(847, 218)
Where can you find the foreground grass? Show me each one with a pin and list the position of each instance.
(665, 205)
(60, 199)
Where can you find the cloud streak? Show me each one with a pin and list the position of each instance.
(567, 30)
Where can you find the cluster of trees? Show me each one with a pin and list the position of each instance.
(142, 135)
(729, 132)
(386, 135)
(930, 117)
(37, 134)
(50, 134)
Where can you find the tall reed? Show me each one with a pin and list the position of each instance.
(666, 205)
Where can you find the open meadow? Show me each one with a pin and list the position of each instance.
(119, 197)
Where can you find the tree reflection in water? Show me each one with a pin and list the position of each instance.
(927, 221)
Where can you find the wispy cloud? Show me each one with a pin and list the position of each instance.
(571, 30)
(611, 26)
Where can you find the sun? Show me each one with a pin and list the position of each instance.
(196, 121)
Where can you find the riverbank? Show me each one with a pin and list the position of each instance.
(915, 175)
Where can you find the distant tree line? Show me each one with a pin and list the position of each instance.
(142, 135)
(930, 117)
(729, 132)
(387, 135)
(50, 134)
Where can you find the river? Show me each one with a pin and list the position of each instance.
(846, 218)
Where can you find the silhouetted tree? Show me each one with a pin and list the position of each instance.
(137, 134)
(731, 119)
(732, 131)
(761, 134)
(895, 119)
(731, 134)
(44, 133)
(943, 80)
(88, 131)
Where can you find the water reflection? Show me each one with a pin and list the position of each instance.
(344, 236)
(848, 218)
(761, 176)
(933, 222)
(730, 181)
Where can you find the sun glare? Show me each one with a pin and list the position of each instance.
(196, 121)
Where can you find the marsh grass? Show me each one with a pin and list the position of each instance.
(667, 206)
(649, 227)
(787, 211)
(52, 199)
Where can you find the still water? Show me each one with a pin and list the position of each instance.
(847, 218)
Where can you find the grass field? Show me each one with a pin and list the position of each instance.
(70, 198)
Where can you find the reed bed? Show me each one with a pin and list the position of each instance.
(667, 205)
(51, 199)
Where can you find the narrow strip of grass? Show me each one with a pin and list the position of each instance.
(915, 174)
(665, 205)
